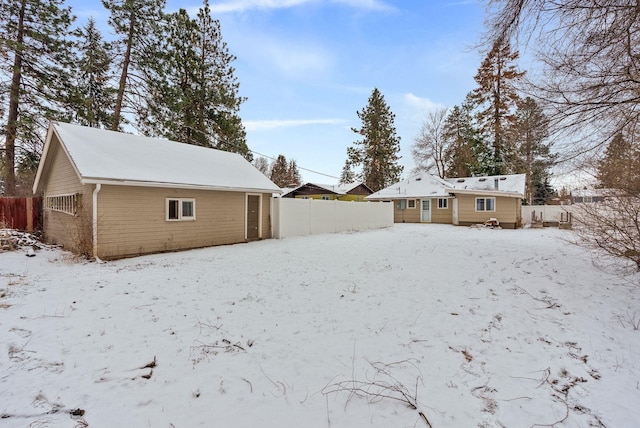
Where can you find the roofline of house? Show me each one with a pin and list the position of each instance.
(405, 196)
(486, 192)
(87, 180)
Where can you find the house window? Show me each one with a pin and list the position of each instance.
(180, 209)
(411, 203)
(587, 199)
(326, 198)
(64, 203)
(402, 204)
(485, 204)
(443, 203)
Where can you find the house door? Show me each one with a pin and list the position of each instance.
(253, 217)
(426, 211)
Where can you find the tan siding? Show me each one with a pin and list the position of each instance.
(506, 212)
(61, 179)
(131, 220)
(408, 215)
(439, 215)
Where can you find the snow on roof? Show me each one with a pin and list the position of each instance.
(340, 189)
(430, 186)
(102, 156)
(514, 183)
(581, 193)
(420, 186)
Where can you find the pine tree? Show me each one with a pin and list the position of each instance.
(35, 56)
(137, 23)
(377, 152)
(496, 96)
(293, 173)
(620, 166)
(466, 152)
(194, 93)
(533, 155)
(93, 99)
(280, 172)
(543, 192)
(347, 175)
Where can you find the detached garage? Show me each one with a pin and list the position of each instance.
(111, 195)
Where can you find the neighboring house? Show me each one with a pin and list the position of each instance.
(461, 201)
(581, 196)
(111, 195)
(343, 192)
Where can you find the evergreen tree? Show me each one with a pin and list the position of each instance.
(93, 98)
(496, 98)
(466, 152)
(543, 192)
(280, 171)
(534, 157)
(347, 175)
(194, 93)
(35, 56)
(293, 173)
(620, 166)
(377, 152)
(137, 23)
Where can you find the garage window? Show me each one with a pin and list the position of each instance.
(180, 209)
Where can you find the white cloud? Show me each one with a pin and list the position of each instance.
(261, 125)
(244, 5)
(422, 105)
(366, 4)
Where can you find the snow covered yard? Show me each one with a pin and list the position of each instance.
(475, 327)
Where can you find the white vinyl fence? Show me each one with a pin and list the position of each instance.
(301, 217)
(550, 213)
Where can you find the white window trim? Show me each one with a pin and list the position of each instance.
(485, 204)
(67, 203)
(409, 201)
(445, 203)
(180, 216)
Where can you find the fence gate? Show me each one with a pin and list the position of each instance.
(20, 213)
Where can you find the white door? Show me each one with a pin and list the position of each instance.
(426, 211)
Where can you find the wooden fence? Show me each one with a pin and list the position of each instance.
(21, 213)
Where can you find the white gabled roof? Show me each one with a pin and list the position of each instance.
(430, 186)
(109, 157)
(419, 186)
(513, 183)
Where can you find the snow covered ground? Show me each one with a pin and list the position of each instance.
(472, 327)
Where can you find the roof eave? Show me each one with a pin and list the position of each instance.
(486, 192)
(114, 182)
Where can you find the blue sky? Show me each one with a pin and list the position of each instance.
(307, 67)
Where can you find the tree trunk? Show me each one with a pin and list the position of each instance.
(14, 98)
(123, 76)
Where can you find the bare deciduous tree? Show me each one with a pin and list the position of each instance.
(612, 226)
(591, 65)
(431, 145)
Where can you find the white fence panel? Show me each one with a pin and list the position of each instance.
(300, 217)
(549, 212)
